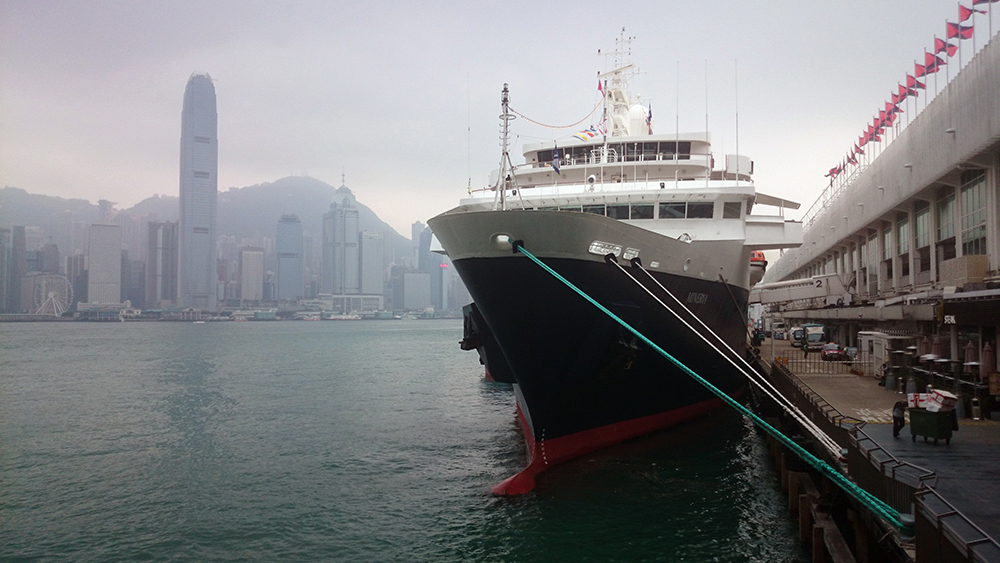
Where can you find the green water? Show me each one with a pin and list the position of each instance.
(337, 441)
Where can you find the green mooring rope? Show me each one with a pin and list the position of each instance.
(876, 505)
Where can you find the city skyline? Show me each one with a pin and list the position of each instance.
(420, 88)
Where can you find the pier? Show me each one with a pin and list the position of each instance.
(950, 490)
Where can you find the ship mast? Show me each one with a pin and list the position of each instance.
(505, 177)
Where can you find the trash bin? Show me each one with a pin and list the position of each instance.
(977, 412)
(937, 425)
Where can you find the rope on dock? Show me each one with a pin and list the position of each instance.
(876, 505)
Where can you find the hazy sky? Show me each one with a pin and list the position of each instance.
(403, 97)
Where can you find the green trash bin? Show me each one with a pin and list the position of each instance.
(937, 425)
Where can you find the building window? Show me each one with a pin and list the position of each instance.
(903, 234)
(595, 209)
(618, 211)
(872, 251)
(731, 210)
(642, 211)
(922, 224)
(672, 210)
(201, 174)
(946, 216)
(974, 212)
(700, 210)
(887, 244)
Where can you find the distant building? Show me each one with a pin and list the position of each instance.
(5, 266)
(76, 272)
(416, 291)
(161, 265)
(290, 250)
(372, 263)
(48, 259)
(251, 274)
(340, 267)
(18, 269)
(198, 195)
(104, 264)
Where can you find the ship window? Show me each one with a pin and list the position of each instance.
(595, 209)
(618, 211)
(570, 208)
(700, 210)
(642, 211)
(731, 210)
(672, 210)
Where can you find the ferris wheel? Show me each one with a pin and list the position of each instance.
(53, 294)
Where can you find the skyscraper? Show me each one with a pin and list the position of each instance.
(198, 195)
(251, 274)
(372, 263)
(289, 247)
(340, 246)
(161, 265)
(104, 264)
(5, 265)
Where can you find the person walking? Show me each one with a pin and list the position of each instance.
(898, 422)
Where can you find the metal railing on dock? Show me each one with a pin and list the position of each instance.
(945, 534)
(942, 532)
(881, 474)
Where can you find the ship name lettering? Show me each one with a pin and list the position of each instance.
(697, 298)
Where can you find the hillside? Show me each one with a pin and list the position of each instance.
(242, 212)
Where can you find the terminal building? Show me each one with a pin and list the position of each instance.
(910, 238)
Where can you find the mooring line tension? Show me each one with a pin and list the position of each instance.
(748, 372)
(875, 504)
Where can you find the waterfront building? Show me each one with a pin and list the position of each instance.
(104, 264)
(372, 263)
(161, 265)
(912, 233)
(198, 195)
(48, 259)
(251, 274)
(76, 273)
(340, 267)
(290, 249)
(18, 269)
(5, 264)
(416, 291)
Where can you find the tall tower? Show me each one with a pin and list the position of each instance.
(197, 267)
(104, 264)
(288, 244)
(341, 261)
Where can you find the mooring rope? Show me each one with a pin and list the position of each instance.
(875, 504)
(832, 446)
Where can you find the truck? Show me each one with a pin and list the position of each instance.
(815, 337)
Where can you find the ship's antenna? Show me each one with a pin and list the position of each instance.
(736, 88)
(468, 141)
(708, 147)
(677, 125)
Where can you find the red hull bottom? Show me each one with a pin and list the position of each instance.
(546, 453)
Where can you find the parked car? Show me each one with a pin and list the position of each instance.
(850, 353)
(832, 352)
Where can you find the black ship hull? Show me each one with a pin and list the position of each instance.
(583, 382)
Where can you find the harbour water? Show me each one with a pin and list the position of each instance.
(337, 441)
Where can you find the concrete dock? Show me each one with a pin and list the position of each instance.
(968, 469)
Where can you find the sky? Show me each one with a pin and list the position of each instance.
(400, 99)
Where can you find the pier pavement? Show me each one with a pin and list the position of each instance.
(968, 469)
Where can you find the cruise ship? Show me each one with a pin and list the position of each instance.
(611, 199)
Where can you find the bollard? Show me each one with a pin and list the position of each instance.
(908, 522)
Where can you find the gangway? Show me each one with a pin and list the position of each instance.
(830, 289)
